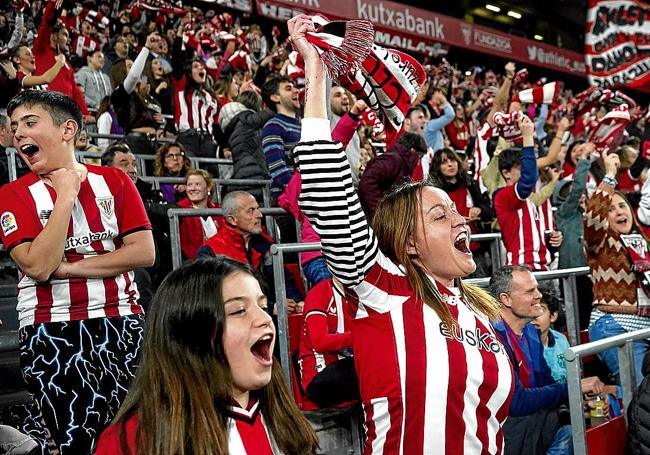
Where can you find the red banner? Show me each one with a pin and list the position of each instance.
(617, 43)
(417, 30)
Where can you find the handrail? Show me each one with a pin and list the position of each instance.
(627, 374)
(277, 253)
(174, 225)
(123, 136)
(11, 163)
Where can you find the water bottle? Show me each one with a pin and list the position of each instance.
(597, 411)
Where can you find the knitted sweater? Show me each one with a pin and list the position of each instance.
(615, 285)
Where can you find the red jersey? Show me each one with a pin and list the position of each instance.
(247, 434)
(458, 135)
(425, 387)
(194, 109)
(107, 208)
(627, 183)
(326, 331)
(522, 230)
(64, 81)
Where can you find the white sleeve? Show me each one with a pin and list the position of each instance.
(136, 71)
(104, 123)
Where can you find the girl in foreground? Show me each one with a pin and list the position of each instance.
(433, 378)
(207, 383)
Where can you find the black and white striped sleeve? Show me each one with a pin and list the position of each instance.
(331, 203)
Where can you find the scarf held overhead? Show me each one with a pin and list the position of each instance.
(387, 80)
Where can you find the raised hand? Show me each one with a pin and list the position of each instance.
(299, 26)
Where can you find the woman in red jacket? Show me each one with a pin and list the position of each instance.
(195, 230)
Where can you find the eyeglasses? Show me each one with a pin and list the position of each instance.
(174, 155)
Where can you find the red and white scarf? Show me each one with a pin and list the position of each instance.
(611, 129)
(637, 250)
(387, 80)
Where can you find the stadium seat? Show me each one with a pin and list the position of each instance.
(608, 438)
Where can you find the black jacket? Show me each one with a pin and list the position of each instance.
(243, 137)
(638, 415)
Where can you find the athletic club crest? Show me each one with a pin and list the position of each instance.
(105, 204)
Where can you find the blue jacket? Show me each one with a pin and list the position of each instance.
(433, 128)
(545, 393)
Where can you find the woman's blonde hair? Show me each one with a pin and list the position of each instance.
(394, 225)
(206, 176)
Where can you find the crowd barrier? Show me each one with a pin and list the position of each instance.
(573, 357)
(174, 226)
(277, 253)
(141, 160)
(264, 184)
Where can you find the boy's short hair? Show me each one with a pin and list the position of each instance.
(550, 299)
(271, 87)
(60, 107)
(509, 158)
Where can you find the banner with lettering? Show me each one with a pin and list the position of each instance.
(617, 43)
(419, 30)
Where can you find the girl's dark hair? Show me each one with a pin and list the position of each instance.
(104, 105)
(435, 174)
(184, 385)
(573, 145)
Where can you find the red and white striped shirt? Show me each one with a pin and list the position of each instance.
(522, 230)
(326, 331)
(84, 45)
(425, 387)
(107, 208)
(194, 109)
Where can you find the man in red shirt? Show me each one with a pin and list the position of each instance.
(52, 39)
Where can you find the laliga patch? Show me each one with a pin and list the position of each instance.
(8, 222)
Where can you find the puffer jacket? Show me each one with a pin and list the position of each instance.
(243, 136)
(638, 415)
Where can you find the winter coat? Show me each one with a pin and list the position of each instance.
(638, 415)
(243, 136)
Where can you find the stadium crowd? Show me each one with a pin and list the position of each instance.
(560, 173)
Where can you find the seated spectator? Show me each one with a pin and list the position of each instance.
(389, 170)
(447, 173)
(327, 369)
(172, 161)
(536, 423)
(208, 359)
(83, 144)
(616, 252)
(241, 123)
(555, 343)
(95, 84)
(195, 230)
(242, 238)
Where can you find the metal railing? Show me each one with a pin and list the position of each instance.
(278, 251)
(627, 372)
(496, 247)
(174, 226)
(279, 280)
(571, 311)
(264, 184)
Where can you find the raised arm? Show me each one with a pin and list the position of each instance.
(596, 224)
(553, 154)
(48, 76)
(328, 197)
(138, 65)
(526, 183)
(501, 98)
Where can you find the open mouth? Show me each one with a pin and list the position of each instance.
(621, 221)
(29, 149)
(462, 243)
(262, 349)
